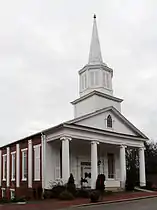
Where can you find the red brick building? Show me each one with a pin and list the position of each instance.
(21, 168)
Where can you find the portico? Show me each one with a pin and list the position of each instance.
(78, 145)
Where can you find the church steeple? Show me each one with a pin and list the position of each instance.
(96, 75)
(95, 50)
(95, 81)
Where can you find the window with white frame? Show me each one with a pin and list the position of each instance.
(109, 121)
(3, 193)
(13, 166)
(12, 194)
(37, 162)
(4, 166)
(111, 166)
(24, 164)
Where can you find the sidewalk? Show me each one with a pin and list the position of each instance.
(56, 204)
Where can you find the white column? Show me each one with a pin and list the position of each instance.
(0, 168)
(65, 159)
(94, 164)
(122, 166)
(8, 166)
(30, 161)
(43, 157)
(17, 165)
(142, 167)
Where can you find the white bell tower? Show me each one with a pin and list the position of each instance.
(96, 75)
(95, 82)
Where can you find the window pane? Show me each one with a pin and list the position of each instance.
(24, 165)
(13, 166)
(4, 166)
(37, 163)
(109, 121)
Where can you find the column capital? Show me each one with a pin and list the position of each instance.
(30, 141)
(94, 142)
(142, 148)
(123, 146)
(64, 138)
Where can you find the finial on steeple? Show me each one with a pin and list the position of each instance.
(95, 51)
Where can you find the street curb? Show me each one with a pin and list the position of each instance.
(115, 201)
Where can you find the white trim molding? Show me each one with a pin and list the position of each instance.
(8, 166)
(43, 159)
(13, 165)
(17, 165)
(4, 169)
(24, 164)
(30, 155)
(25, 149)
(37, 158)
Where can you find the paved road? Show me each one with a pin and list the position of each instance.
(146, 204)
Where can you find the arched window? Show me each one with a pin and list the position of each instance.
(109, 121)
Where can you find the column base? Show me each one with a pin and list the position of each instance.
(122, 185)
(142, 184)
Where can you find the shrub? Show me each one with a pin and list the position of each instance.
(94, 196)
(20, 199)
(131, 180)
(4, 200)
(65, 195)
(108, 192)
(100, 182)
(57, 190)
(48, 194)
(82, 193)
(71, 185)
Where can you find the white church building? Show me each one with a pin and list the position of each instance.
(94, 142)
(96, 139)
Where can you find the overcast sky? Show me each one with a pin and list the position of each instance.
(43, 44)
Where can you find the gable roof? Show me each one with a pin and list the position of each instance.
(116, 112)
(74, 121)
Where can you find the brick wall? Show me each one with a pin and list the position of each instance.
(23, 190)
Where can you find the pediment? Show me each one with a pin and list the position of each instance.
(98, 120)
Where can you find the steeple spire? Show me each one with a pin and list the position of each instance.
(95, 51)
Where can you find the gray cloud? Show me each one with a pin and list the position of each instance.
(43, 44)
